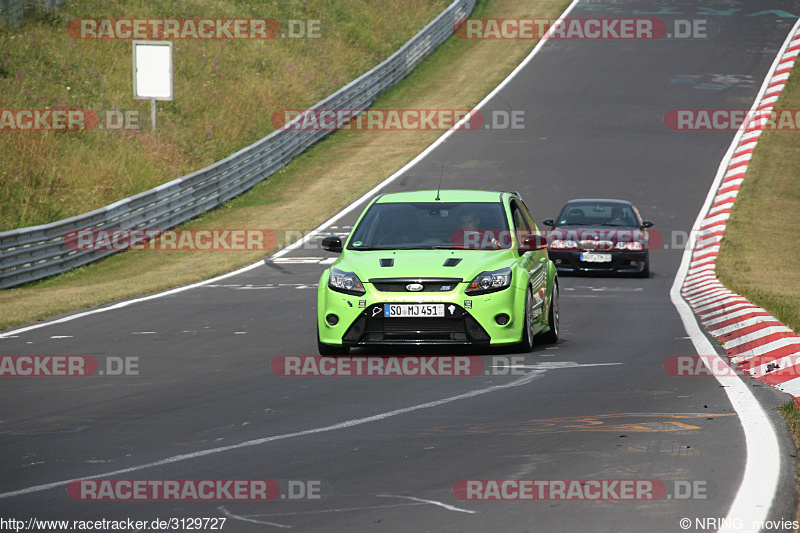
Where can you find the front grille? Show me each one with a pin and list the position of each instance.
(412, 329)
(428, 284)
(459, 328)
(596, 245)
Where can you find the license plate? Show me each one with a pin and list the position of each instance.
(590, 257)
(415, 310)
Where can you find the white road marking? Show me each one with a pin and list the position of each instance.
(610, 289)
(757, 336)
(297, 260)
(432, 502)
(243, 519)
(251, 287)
(723, 316)
(548, 366)
(343, 509)
(522, 380)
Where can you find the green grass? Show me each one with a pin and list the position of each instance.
(332, 173)
(225, 93)
(792, 414)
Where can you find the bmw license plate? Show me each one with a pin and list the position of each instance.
(591, 257)
(413, 310)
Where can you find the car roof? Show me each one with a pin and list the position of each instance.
(445, 195)
(599, 200)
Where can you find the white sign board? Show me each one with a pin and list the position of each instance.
(152, 70)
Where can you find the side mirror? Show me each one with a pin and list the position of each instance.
(332, 243)
(533, 242)
(647, 224)
(549, 222)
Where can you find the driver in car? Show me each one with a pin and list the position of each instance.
(470, 223)
(617, 215)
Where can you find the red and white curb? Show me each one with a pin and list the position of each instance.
(753, 339)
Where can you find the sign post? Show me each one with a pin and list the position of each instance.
(152, 74)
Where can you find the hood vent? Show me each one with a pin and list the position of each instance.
(453, 261)
(387, 262)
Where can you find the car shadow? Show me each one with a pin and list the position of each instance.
(443, 350)
(604, 275)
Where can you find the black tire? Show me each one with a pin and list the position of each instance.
(551, 336)
(327, 349)
(526, 344)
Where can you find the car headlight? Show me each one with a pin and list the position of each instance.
(563, 245)
(486, 282)
(346, 282)
(635, 246)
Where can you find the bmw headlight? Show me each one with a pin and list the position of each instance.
(559, 244)
(486, 282)
(346, 282)
(634, 246)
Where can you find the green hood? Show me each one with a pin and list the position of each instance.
(424, 263)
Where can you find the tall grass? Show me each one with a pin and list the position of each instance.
(225, 93)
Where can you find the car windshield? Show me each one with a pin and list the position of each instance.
(597, 214)
(430, 225)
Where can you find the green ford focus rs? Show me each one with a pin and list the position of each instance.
(439, 267)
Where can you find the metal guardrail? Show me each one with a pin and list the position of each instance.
(37, 252)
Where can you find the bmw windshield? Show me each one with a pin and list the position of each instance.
(598, 214)
(431, 225)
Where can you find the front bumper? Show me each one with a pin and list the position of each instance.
(360, 321)
(622, 262)
(456, 327)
